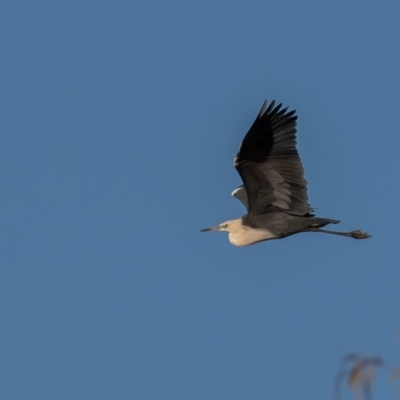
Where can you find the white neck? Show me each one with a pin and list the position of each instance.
(242, 235)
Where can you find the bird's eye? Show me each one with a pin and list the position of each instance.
(224, 226)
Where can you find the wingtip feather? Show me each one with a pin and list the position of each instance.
(263, 109)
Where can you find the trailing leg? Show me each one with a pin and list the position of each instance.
(357, 234)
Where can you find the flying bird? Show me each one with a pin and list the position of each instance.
(274, 190)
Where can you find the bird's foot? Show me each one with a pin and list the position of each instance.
(358, 234)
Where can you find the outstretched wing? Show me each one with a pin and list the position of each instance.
(270, 166)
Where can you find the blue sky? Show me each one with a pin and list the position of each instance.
(120, 121)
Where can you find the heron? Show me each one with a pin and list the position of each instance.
(274, 190)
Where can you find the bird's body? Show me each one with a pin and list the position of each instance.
(274, 190)
(249, 230)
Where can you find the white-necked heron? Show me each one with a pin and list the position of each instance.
(274, 190)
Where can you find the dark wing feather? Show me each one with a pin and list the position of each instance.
(270, 166)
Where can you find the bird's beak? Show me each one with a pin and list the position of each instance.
(211, 229)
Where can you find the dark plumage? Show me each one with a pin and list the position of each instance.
(269, 164)
(274, 190)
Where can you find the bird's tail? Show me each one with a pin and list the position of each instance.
(320, 222)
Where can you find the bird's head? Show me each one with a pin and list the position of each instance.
(228, 226)
(233, 227)
(240, 234)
